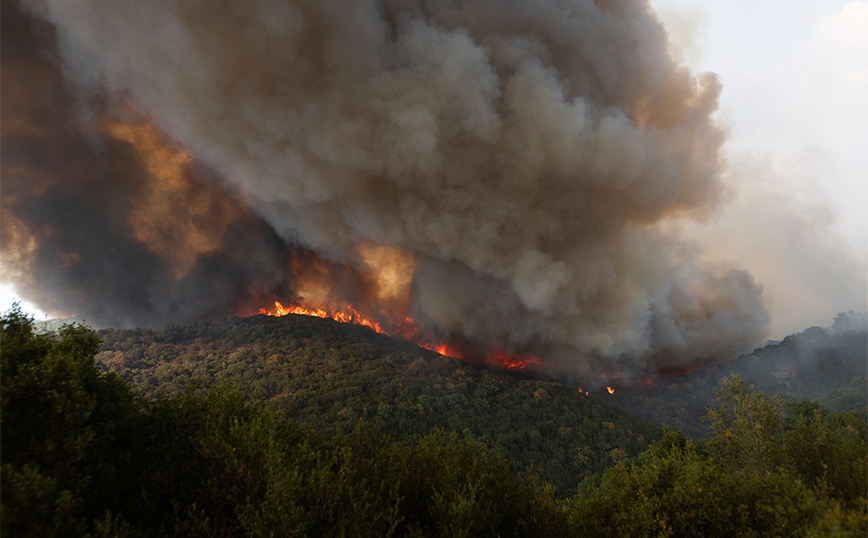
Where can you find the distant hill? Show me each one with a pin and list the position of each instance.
(53, 324)
(826, 365)
(330, 376)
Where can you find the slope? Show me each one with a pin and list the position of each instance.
(827, 366)
(330, 376)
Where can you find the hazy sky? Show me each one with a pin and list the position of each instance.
(795, 77)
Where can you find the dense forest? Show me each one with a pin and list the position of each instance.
(330, 375)
(86, 454)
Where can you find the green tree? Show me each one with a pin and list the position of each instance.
(746, 426)
(828, 451)
(82, 455)
(758, 476)
(63, 424)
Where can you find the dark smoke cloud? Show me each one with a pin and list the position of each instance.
(70, 192)
(522, 155)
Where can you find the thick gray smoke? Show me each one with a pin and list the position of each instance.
(522, 155)
(89, 229)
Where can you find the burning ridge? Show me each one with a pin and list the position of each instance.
(411, 332)
(500, 173)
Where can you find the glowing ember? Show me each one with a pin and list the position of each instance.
(513, 362)
(611, 390)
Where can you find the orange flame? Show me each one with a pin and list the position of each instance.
(647, 382)
(611, 390)
(513, 362)
(407, 330)
(351, 315)
(443, 349)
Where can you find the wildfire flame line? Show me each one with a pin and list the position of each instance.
(350, 316)
(407, 330)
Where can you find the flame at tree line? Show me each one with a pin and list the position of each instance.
(407, 330)
(523, 234)
(385, 275)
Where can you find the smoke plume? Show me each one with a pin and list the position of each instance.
(104, 216)
(498, 171)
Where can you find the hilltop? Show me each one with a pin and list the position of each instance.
(330, 376)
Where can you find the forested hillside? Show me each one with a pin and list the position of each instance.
(829, 366)
(84, 455)
(330, 376)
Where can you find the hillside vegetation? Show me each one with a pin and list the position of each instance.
(826, 366)
(84, 455)
(330, 376)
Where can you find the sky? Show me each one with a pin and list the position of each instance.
(8, 296)
(794, 76)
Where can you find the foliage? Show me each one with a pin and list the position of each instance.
(83, 455)
(745, 423)
(828, 451)
(64, 426)
(760, 475)
(329, 375)
(675, 491)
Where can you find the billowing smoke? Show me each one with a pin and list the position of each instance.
(105, 217)
(504, 170)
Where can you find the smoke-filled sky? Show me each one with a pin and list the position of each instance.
(542, 178)
(795, 76)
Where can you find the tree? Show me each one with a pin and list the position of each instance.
(61, 420)
(746, 426)
(828, 451)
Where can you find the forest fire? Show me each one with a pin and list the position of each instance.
(350, 316)
(512, 362)
(406, 330)
(439, 181)
(610, 390)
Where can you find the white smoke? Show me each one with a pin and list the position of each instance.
(522, 152)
